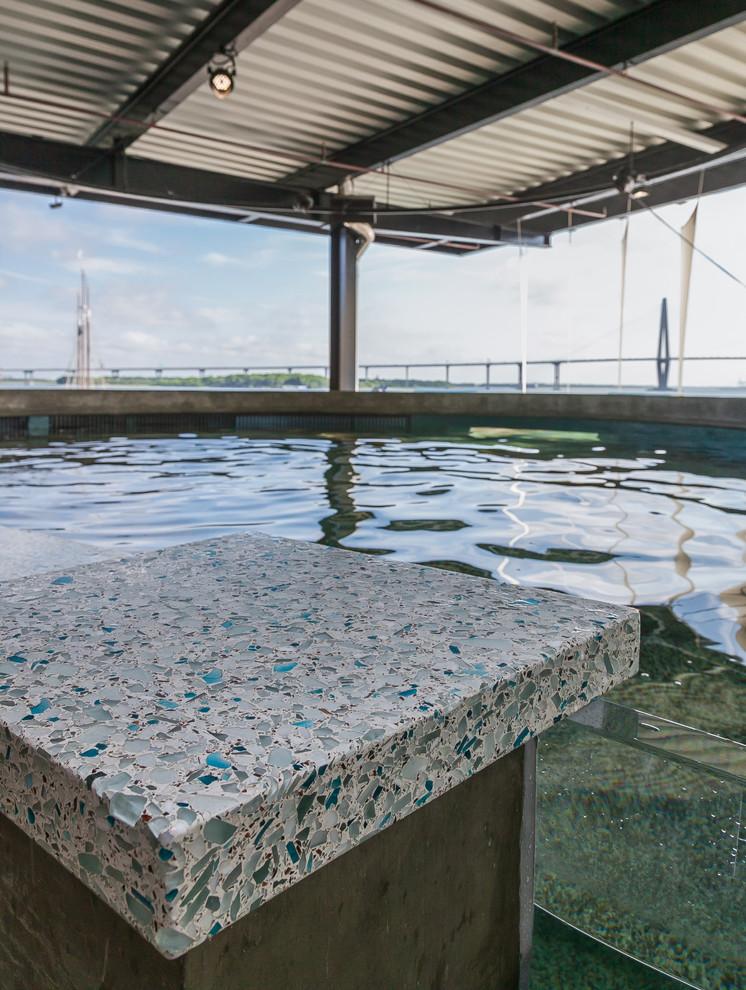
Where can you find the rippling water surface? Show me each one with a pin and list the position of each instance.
(631, 522)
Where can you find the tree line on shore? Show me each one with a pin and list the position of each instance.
(252, 380)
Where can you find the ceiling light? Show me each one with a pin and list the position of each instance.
(222, 73)
(221, 81)
(303, 202)
(630, 182)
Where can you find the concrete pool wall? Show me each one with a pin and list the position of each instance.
(44, 412)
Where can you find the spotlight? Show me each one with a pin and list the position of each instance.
(222, 73)
(630, 182)
(302, 203)
(56, 203)
(221, 82)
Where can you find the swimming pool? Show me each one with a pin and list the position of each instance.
(641, 516)
(643, 854)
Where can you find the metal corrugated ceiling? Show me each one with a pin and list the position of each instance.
(90, 54)
(329, 73)
(573, 132)
(334, 71)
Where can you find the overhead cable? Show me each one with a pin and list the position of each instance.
(691, 244)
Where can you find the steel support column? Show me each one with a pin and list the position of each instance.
(556, 375)
(343, 310)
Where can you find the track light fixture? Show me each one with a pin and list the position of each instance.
(62, 195)
(222, 73)
(631, 183)
(303, 202)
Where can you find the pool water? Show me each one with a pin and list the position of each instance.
(644, 852)
(566, 959)
(650, 517)
(613, 516)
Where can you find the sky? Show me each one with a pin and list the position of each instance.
(170, 290)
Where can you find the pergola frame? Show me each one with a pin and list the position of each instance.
(100, 167)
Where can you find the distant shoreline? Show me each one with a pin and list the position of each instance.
(260, 380)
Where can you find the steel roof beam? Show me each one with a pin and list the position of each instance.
(49, 188)
(656, 162)
(673, 174)
(653, 30)
(487, 234)
(233, 22)
(54, 168)
(42, 166)
(435, 246)
(673, 190)
(70, 165)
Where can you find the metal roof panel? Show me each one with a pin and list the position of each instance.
(350, 68)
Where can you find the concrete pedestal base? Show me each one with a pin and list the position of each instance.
(434, 901)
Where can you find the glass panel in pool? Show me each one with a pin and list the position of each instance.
(643, 846)
(564, 958)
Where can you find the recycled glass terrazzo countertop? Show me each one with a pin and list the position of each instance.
(192, 730)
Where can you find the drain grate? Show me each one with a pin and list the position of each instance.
(322, 423)
(13, 427)
(142, 423)
(86, 424)
(313, 424)
(181, 423)
(21, 427)
(382, 424)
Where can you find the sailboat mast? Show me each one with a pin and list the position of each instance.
(82, 377)
(79, 338)
(87, 334)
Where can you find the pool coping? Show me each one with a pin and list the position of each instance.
(643, 407)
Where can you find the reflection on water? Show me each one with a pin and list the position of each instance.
(625, 530)
(566, 511)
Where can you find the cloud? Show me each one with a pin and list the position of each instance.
(23, 277)
(239, 343)
(29, 344)
(25, 227)
(139, 342)
(220, 260)
(259, 259)
(219, 316)
(121, 239)
(109, 266)
(129, 305)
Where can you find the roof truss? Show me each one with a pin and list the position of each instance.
(53, 167)
(100, 170)
(650, 31)
(37, 165)
(673, 172)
